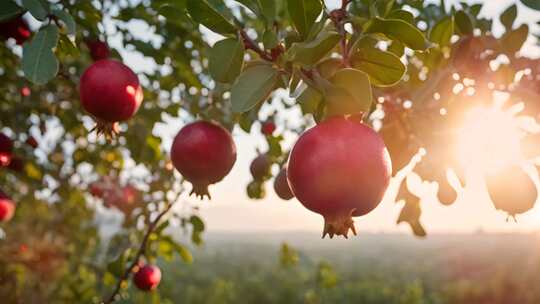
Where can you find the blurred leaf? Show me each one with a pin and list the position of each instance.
(464, 23)
(226, 59)
(270, 39)
(68, 21)
(203, 13)
(508, 17)
(383, 68)
(442, 32)
(39, 63)
(512, 41)
(37, 8)
(402, 15)
(398, 30)
(253, 86)
(9, 9)
(303, 14)
(534, 4)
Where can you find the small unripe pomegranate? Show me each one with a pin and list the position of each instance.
(281, 186)
(268, 128)
(98, 49)
(7, 207)
(511, 190)
(96, 189)
(204, 153)
(260, 167)
(255, 190)
(339, 169)
(17, 29)
(6, 144)
(110, 92)
(147, 278)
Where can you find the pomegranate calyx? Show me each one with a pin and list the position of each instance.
(200, 191)
(339, 225)
(107, 129)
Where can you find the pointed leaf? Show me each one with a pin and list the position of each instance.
(512, 41)
(68, 21)
(509, 16)
(303, 14)
(534, 4)
(402, 15)
(383, 68)
(203, 13)
(226, 60)
(39, 63)
(253, 86)
(464, 23)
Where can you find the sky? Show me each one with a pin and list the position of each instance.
(231, 210)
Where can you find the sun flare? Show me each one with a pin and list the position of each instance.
(488, 139)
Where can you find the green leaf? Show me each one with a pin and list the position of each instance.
(39, 63)
(36, 8)
(309, 100)
(508, 17)
(534, 4)
(397, 48)
(226, 59)
(303, 14)
(9, 9)
(184, 253)
(442, 32)
(253, 86)
(402, 15)
(253, 5)
(383, 68)
(203, 13)
(350, 92)
(268, 10)
(399, 30)
(512, 41)
(464, 23)
(270, 39)
(309, 53)
(68, 21)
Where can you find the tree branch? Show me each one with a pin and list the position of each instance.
(140, 252)
(252, 45)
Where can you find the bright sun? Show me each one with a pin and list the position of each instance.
(489, 138)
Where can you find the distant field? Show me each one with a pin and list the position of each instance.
(245, 268)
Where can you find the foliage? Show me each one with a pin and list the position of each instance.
(366, 56)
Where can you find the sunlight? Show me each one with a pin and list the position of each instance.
(489, 138)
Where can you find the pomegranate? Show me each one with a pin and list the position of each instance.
(147, 277)
(281, 186)
(204, 153)
(7, 207)
(98, 49)
(96, 189)
(17, 29)
(16, 164)
(268, 128)
(25, 91)
(255, 190)
(6, 145)
(110, 92)
(32, 142)
(5, 159)
(260, 167)
(511, 190)
(339, 169)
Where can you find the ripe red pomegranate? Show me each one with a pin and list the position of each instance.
(32, 142)
(147, 278)
(339, 169)
(512, 190)
(6, 144)
(204, 153)
(7, 207)
(98, 49)
(281, 186)
(17, 29)
(260, 167)
(110, 92)
(25, 91)
(5, 159)
(16, 164)
(268, 128)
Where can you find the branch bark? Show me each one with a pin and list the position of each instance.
(140, 252)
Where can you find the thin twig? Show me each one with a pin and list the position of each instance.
(140, 252)
(252, 45)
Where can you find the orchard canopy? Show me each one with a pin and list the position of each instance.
(349, 96)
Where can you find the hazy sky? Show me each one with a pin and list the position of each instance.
(231, 210)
